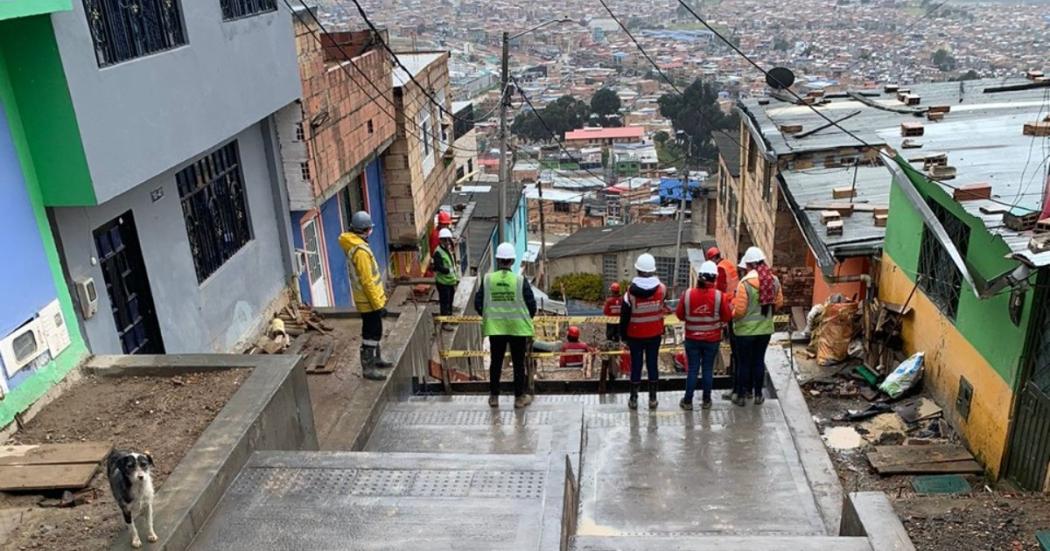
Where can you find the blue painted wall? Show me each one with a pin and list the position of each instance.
(27, 285)
(339, 276)
(379, 241)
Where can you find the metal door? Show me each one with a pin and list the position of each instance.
(127, 285)
(1030, 441)
(315, 263)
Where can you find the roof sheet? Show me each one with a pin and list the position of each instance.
(603, 240)
(415, 64)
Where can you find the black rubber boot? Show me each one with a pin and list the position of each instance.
(380, 362)
(632, 402)
(368, 364)
(652, 395)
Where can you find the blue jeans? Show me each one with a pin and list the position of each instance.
(650, 348)
(700, 354)
(751, 371)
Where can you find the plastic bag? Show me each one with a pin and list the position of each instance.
(907, 374)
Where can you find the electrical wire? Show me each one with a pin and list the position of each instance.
(367, 78)
(800, 101)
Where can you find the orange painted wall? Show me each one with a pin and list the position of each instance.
(851, 266)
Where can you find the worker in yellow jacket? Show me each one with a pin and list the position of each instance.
(366, 285)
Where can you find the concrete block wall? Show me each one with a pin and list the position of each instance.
(346, 120)
(413, 197)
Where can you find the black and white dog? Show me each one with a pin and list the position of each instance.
(132, 485)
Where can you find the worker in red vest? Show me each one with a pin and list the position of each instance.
(444, 220)
(573, 344)
(642, 325)
(705, 311)
(612, 310)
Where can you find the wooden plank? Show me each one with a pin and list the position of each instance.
(23, 478)
(901, 455)
(949, 467)
(54, 454)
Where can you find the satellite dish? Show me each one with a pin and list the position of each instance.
(780, 78)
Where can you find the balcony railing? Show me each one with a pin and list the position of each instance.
(235, 9)
(127, 29)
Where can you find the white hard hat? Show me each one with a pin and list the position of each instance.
(445, 233)
(645, 263)
(506, 251)
(709, 268)
(753, 255)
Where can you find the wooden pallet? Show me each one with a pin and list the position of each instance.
(50, 466)
(887, 460)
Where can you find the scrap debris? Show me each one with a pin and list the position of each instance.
(887, 460)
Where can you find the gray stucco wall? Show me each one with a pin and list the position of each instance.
(140, 117)
(208, 317)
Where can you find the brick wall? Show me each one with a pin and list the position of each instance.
(557, 222)
(726, 233)
(413, 194)
(343, 127)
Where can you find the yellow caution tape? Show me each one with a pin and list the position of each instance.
(450, 354)
(575, 320)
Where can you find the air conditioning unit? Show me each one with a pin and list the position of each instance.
(53, 324)
(22, 346)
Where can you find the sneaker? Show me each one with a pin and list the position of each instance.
(706, 405)
(522, 401)
(632, 402)
(688, 406)
(759, 399)
(493, 401)
(740, 401)
(653, 404)
(373, 374)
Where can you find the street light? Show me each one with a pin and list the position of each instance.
(503, 104)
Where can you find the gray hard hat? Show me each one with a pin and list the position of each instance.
(361, 221)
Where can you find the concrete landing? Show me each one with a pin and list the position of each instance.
(366, 501)
(724, 471)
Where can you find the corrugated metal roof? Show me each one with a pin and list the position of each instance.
(981, 135)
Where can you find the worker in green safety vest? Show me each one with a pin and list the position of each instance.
(507, 306)
(757, 296)
(446, 273)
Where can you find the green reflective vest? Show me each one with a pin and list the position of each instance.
(504, 311)
(753, 322)
(452, 277)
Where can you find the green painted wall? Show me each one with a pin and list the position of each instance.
(10, 9)
(28, 48)
(984, 323)
(30, 390)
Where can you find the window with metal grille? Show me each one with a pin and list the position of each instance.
(665, 271)
(939, 278)
(123, 30)
(235, 9)
(215, 208)
(767, 183)
(300, 133)
(304, 171)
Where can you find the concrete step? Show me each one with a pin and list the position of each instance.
(719, 543)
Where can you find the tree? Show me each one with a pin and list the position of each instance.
(697, 114)
(781, 44)
(605, 102)
(661, 137)
(565, 114)
(968, 75)
(944, 60)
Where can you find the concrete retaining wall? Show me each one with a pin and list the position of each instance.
(271, 411)
(871, 515)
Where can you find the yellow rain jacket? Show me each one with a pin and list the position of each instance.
(366, 281)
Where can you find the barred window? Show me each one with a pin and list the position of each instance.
(215, 208)
(665, 271)
(235, 9)
(939, 278)
(126, 30)
(610, 271)
(304, 171)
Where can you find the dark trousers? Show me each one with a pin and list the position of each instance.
(700, 356)
(498, 345)
(751, 371)
(371, 328)
(612, 332)
(649, 349)
(445, 295)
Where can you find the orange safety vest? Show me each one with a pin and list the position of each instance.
(732, 276)
(701, 325)
(647, 315)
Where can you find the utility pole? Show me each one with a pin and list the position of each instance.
(681, 217)
(545, 282)
(503, 168)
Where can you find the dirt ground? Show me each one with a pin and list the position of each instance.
(162, 415)
(993, 517)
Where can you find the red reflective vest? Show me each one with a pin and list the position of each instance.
(612, 306)
(647, 315)
(573, 361)
(703, 311)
